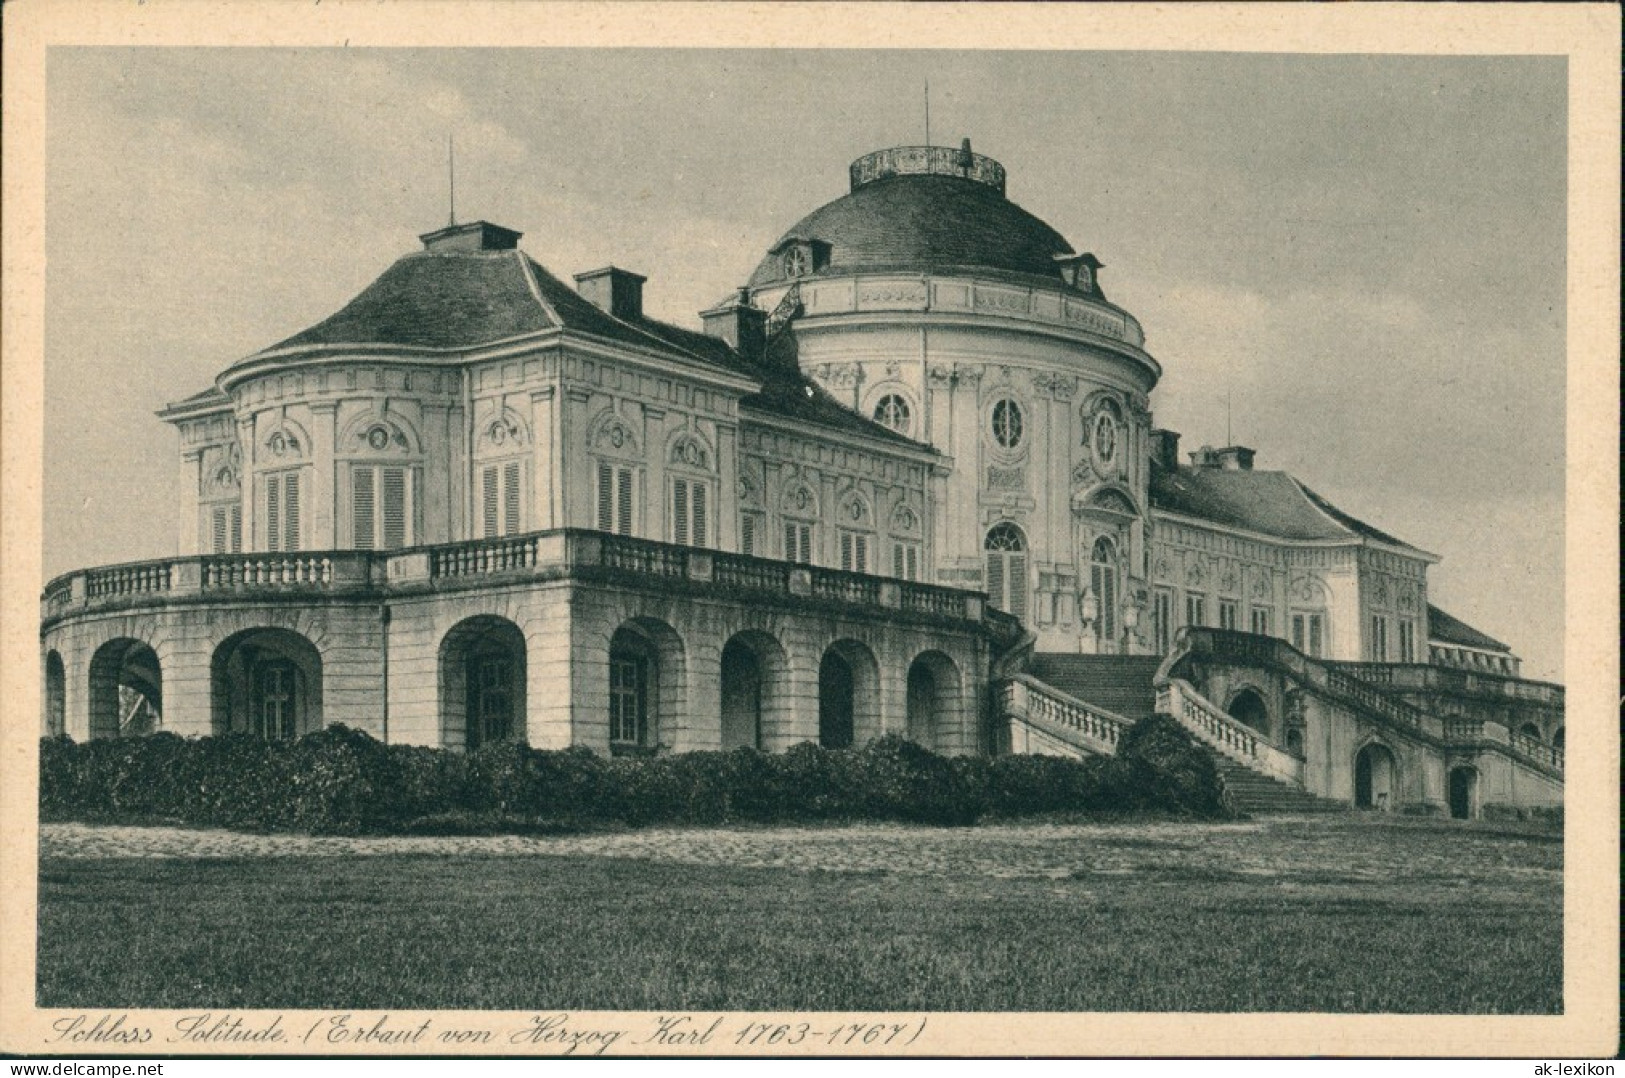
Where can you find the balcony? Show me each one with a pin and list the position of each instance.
(565, 553)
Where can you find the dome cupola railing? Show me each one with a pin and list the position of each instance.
(927, 161)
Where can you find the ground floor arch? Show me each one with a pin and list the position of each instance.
(647, 684)
(1248, 707)
(848, 695)
(754, 672)
(935, 700)
(1531, 731)
(482, 683)
(126, 689)
(1557, 739)
(266, 682)
(1463, 793)
(1375, 775)
(56, 695)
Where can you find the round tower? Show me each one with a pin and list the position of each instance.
(925, 299)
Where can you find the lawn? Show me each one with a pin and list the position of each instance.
(1344, 913)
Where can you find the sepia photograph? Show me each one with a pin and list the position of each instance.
(755, 547)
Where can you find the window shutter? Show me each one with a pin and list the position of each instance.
(394, 508)
(860, 553)
(273, 512)
(361, 508)
(290, 499)
(995, 581)
(846, 551)
(790, 543)
(911, 562)
(1017, 584)
(235, 517)
(623, 500)
(679, 512)
(218, 523)
(699, 514)
(488, 500)
(747, 534)
(606, 498)
(510, 498)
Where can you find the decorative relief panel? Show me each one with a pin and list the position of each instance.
(892, 293)
(222, 471)
(1308, 590)
(376, 435)
(609, 433)
(505, 432)
(1006, 479)
(284, 443)
(904, 520)
(843, 375)
(990, 299)
(687, 450)
(800, 500)
(1059, 386)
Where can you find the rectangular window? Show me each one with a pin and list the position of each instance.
(380, 507)
(1195, 609)
(905, 561)
(615, 499)
(501, 509)
(1379, 638)
(628, 700)
(753, 539)
(1307, 633)
(281, 511)
(1162, 620)
(798, 542)
(1229, 615)
(854, 552)
(1407, 642)
(226, 529)
(1261, 620)
(689, 516)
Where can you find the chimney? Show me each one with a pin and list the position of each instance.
(1205, 457)
(1236, 458)
(613, 290)
(1165, 449)
(735, 321)
(474, 236)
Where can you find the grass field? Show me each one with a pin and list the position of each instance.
(1344, 913)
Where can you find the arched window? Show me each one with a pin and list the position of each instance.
(1103, 579)
(893, 411)
(1007, 423)
(1006, 551)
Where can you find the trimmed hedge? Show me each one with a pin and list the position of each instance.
(342, 781)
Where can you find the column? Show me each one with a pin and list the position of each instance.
(190, 479)
(323, 485)
(544, 455)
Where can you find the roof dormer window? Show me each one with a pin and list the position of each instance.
(800, 257)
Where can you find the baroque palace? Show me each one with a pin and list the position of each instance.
(905, 480)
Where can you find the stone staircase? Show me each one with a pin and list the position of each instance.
(1121, 684)
(1257, 794)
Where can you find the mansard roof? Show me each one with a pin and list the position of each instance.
(451, 300)
(1267, 503)
(1452, 630)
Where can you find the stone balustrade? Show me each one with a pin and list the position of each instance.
(501, 560)
(1228, 735)
(1093, 729)
(1417, 677)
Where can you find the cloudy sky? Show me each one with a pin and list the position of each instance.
(1366, 254)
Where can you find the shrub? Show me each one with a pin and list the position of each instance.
(1160, 766)
(343, 781)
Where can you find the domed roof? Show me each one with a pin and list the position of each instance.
(919, 209)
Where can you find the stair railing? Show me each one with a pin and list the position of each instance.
(1226, 734)
(1089, 729)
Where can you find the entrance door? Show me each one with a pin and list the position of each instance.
(1462, 783)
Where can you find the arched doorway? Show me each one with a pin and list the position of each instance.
(482, 683)
(848, 695)
(1374, 773)
(1529, 730)
(266, 682)
(646, 686)
(752, 675)
(1103, 583)
(1006, 549)
(1294, 740)
(933, 700)
(126, 690)
(1248, 708)
(56, 695)
(1463, 793)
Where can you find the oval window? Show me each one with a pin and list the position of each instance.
(1007, 423)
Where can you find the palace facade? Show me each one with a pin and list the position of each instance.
(905, 479)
